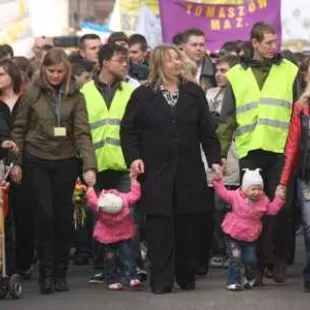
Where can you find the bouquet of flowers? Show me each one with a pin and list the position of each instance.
(79, 202)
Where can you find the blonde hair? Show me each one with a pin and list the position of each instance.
(53, 57)
(157, 75)
(189, 69)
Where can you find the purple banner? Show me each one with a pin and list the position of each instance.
(221, 20)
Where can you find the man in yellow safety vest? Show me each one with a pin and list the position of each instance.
(257, 109)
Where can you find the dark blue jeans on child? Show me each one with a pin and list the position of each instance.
(241, 253)
(116, 254)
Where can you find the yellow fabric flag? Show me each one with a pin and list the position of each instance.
(128, 11)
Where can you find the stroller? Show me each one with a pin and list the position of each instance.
(8, 283)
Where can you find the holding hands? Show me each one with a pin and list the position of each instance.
(137, 167)
(218, 172)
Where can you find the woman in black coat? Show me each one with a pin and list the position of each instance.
(164, 125)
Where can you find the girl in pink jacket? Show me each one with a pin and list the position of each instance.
(115, 228)
(243, 225)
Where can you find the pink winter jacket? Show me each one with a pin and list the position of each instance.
(113, 228)
(243, 223)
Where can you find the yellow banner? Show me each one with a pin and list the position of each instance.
(129, 10)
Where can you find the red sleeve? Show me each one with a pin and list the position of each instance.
(292, 145)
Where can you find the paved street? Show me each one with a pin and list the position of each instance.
(209, 295)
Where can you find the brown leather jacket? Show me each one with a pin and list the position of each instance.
(33, 128)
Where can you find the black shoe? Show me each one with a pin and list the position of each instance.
(81, 261)
(164, 290)
(307, 286)
(189, 286)
(202, 271)
(46, 285)
(142, 275)
(279, 273)
(61, 285)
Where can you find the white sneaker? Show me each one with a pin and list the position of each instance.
(134, 283)
(248, 284)
(115, 287)
(234, 287)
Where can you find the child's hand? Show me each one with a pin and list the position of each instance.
(218, 172)
(281, 191)
(10, 145)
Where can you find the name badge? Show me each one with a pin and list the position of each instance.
(60, 131)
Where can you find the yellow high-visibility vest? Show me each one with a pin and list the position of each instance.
(105, 124)
(263, 115)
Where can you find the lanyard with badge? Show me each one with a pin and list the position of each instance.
(59, 131)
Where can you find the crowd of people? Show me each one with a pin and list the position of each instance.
(199, 160)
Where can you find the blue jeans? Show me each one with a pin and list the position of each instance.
(239, 253)
(119, 253)
(304, 195)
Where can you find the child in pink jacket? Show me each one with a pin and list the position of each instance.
(115, 228)
(243, 225)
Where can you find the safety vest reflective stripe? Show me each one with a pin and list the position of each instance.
(108, 140)
(247, 107)
(276, 102)
(266, 101)
(104, 122)
(263, 121)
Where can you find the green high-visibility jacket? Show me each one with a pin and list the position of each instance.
(105, 124)
(263, 115)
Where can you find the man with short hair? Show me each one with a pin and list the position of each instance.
(178, 40)
(194, 46)
(137, 48)
(137, 53)
(39, 42)
(118, 38)
(87, 55)
(257, 109)
(89, 47)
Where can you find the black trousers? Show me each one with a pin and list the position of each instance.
(276, 239)
(23, 206)
(207, 227)
(173, 247)
(52, 183)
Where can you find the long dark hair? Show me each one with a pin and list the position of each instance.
(13, 71)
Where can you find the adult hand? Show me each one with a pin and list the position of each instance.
(10, 145)
(218, 172)
(281, 191)
(89, 177)
(137, 167)
(17, 174)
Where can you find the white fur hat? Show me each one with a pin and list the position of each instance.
(110, 203)
(252, 177)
